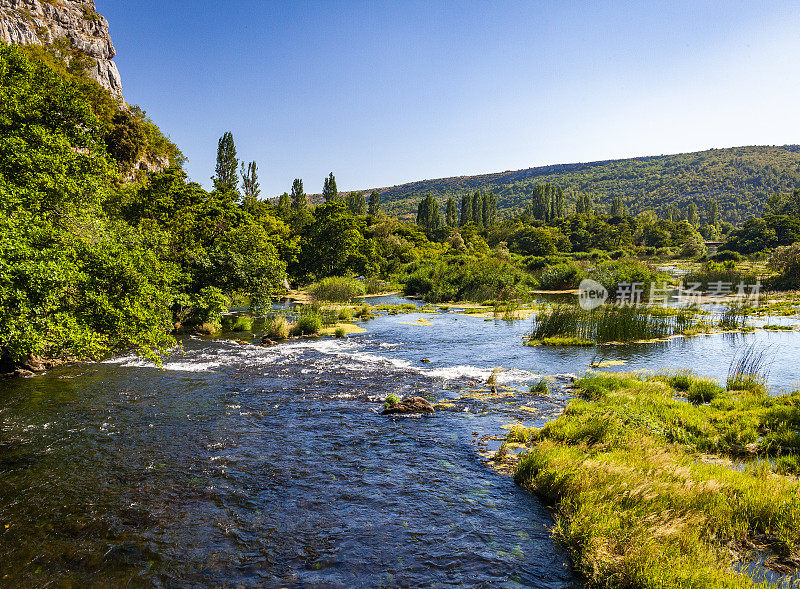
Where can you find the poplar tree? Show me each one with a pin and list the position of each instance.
(428, 216)
(374, 203)
(692, 216)
(357, 203)
(477, 209)
(451, 215)
(225, 178)
(466, 209)
(250, 184)
(617, 207)
(299, 199)
(712, 211)
(284, 206)
(329, 191)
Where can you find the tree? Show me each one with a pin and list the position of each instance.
(477, 209)
(428, 216)
(712, 211)
(692, 216)
(374, 203)
(284, 205)
(227, 164)
(356, 203)
(466, 209)
(451, 216)
(299, 198)
(588, 205)
(489, 209)
(250, 184)
(329, 191)
(617, 207)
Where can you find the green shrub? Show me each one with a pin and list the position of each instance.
(308, 324)
(561, 276)
(337, 289)
(340, 332)
(243, 323)
(391, 401)
(703, 391)
(277, 328)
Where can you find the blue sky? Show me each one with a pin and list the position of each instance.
(382, 93)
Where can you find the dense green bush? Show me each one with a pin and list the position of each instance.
(561, 276)
(337, 289)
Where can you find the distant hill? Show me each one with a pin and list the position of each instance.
(740, 178)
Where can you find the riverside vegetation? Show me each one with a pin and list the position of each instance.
(641, 471)
(98, 255)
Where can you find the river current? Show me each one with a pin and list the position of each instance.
(238, 465)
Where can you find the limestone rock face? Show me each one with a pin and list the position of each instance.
(41, 22)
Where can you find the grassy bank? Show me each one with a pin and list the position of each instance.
(642, 484)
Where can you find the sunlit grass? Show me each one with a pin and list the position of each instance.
(638, 505)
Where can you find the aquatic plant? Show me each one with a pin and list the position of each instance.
(608, 323)
(391, 401)
(340, 332)
(540, 388)
(734, 317)
(749, 370)
(242, 323)
(277, 328)
(307, 324)
(345, 314)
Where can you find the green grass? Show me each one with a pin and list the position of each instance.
(636, 505)
(277, 328)
(391, 401)
(307, 324)
(540, 388)
(769, 327)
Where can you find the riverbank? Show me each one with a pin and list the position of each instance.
(652, 490)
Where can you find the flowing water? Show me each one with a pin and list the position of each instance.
(237, 465)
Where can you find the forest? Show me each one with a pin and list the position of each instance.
(99, 254)
(739, 179)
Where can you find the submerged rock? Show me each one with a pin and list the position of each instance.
(409, 405)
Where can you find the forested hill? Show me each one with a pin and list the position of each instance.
(740, 178)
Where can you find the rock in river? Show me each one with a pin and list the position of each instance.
(409, 405)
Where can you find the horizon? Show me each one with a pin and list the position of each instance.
(383, 95)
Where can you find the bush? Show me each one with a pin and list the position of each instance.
(277, 328)
(786, 260)
(340, 332)
(391, 401)
(337, 289)
(308, 324)
(727, 256)
(243, 323)
(703, 391)
(561, 276)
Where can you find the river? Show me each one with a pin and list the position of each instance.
(237, 465)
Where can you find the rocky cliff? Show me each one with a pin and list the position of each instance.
(39, 22)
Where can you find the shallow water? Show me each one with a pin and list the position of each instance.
(242, 465)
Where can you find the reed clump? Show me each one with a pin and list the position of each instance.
(607, 323)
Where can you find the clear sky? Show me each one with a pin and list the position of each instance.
(382, 93)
